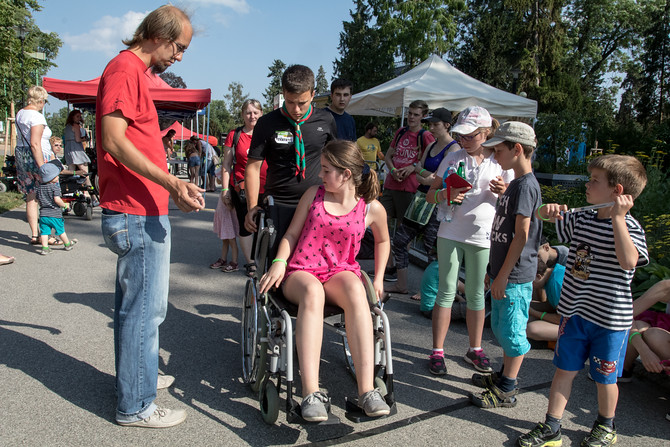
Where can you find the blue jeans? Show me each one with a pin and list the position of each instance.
(142, 244)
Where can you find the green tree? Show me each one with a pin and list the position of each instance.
(322, 85)
(276, 70)
(173, 80)
(416, 29)
(15, 14)
(235, 99)
(220, 119)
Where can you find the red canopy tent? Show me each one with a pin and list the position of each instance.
(184, 134)
(170, 102)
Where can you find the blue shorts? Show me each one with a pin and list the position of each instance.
(47, 223)
(579, 339)
(193, 161)
(509, 317)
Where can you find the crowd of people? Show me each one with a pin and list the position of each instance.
(485, 219)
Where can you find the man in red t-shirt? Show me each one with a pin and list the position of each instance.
(134, 190)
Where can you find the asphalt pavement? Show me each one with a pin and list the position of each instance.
(57, 361)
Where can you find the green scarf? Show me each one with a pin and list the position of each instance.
(299, 143)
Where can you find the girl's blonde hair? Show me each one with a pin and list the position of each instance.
(344, 154)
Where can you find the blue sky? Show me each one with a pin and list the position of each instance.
(235, 41)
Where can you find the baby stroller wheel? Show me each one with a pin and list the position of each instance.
(3, 187)
(269, 400)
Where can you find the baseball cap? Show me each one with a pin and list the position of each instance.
(438, 115)
(472, 119)
(50, 170)
(514, 131)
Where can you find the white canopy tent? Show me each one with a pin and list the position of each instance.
(441, 85)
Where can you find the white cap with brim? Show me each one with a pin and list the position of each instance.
(515, 132)
(471, 119)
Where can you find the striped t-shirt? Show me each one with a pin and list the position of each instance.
(595, 286)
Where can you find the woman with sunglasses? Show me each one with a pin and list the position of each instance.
(465, 238)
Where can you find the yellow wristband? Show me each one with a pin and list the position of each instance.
(542, 316)
(630, 339)
(540, 215)
(280, 260)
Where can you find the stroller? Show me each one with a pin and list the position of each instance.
(73, 187)
(8, 181)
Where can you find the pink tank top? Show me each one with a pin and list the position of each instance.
(329, 244)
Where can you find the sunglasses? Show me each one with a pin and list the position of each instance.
(470, 137)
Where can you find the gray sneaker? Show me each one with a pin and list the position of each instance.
(374, 404)
(160, 418)
(70, 246)
(164, 381)
(313, 407)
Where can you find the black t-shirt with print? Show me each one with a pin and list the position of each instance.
(273, 141)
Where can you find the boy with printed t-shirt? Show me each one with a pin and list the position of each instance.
(515, 238)
(596, 305)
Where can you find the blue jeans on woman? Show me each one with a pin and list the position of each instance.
(142, 244)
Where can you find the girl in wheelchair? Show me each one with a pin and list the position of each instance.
(316, 264)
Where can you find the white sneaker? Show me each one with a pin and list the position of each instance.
(164, 382)
(160, 418)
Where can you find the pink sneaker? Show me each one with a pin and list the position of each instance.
(479, 360)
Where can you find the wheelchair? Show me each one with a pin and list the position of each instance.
(268, 345)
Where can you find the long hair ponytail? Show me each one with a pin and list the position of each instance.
(344, 154)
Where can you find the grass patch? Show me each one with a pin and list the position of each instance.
(10, 200)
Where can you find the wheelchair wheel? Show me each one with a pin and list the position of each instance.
(369, 288)
(269, 400)
(79, 208)
(379, 383)
(3, 187)
(254, 328)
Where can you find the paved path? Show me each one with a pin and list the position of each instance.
(57, 363)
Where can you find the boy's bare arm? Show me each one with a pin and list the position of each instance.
(626, 252)
(550, 212)
(521, 228)
(58, 201)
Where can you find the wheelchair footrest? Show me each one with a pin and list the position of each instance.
(294, 416)
(356, 414)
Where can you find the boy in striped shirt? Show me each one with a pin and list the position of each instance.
(596, 305)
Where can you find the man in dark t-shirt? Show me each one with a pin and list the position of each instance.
(293, 163)
(340, 95)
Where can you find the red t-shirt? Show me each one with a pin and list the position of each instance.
(123, 87)
(241, 154)
(407, 152)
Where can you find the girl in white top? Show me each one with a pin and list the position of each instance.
(32, 151)
(466, 237)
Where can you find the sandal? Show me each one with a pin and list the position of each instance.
(54, 241)
(217, 264)
(230, 267)
(35, 240)
(251, 269)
